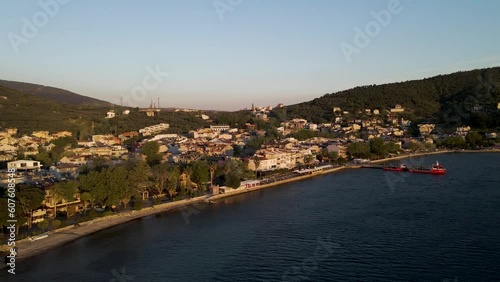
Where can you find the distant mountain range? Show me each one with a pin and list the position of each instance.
(54, 94)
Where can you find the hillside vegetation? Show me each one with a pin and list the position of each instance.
(469, 97)
(54, 94)
(30, 113)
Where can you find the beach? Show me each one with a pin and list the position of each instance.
(68, 234)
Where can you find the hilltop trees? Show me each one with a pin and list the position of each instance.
(448, 98)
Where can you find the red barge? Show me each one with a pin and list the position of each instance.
(434, 169)
(398, 168)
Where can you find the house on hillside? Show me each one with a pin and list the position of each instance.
(426, 128)
(62, 134)
(397, 109)
(24, 165)
(110, 114)
(463, 130)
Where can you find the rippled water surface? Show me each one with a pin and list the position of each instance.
(348, 226)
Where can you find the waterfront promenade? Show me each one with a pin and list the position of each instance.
(68, 234)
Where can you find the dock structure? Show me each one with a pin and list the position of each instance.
(372, 166)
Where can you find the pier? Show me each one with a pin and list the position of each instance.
(372, 166)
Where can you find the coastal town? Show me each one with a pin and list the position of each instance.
(56, 174)
(230, 140)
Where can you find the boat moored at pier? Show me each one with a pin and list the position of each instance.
(436, 168)
(398, 168)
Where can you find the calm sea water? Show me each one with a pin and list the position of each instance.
(348, 226)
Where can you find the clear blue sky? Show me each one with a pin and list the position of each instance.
(262, 51)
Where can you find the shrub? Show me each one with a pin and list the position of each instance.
(138, 204)
(56, 224)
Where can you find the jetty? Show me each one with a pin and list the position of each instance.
(374, 166)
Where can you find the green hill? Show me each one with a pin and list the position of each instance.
(469, 97)
(30, 113)
(54, 94)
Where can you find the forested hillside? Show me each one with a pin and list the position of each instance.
(469, 97)
(30, 113)
(52, 93)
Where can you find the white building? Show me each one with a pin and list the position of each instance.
(219, 128)
(311, 126)
(397, 109)
(150, 130)
(492, 135)
(463, 130)
(164, 136)
(24, 165)
(278, 159)
(110, 114)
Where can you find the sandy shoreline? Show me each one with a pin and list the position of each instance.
(68, 234)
